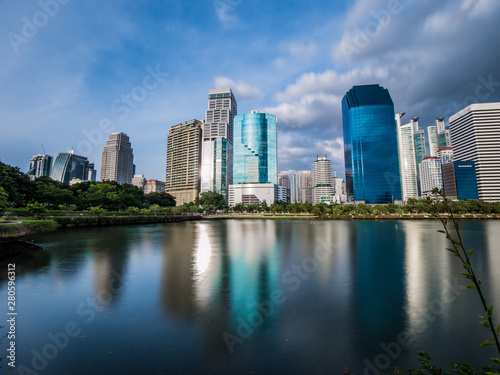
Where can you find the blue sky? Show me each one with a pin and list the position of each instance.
(73, 71)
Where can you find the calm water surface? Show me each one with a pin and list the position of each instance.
(250, 297)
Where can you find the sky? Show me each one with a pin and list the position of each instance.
(72, 72)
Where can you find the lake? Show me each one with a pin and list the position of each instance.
(250, 297)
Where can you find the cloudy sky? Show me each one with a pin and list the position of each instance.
(73, 71)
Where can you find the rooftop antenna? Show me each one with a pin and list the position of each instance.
(43, 149)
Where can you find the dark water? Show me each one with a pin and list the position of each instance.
(250, 297)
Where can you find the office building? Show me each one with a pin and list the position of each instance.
(475, 136)
(40, 165)
(322, 180)
(430, 175)
(284, 180)
(255, 149)
(256, 194)
(432, 136)
(182, 179)
(154, 186)
(117, 163)
(370, 145)
(445, 155)
(459, 180)
(69, 166)
(444, 137)
(217, 142)
(419, 141)
(139, 180)
(407, 160)
(339, 189)
(302, 187)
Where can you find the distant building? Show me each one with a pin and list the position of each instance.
(139, 180)
(370, 145)
(407, 160)
(154, 186)
(40, 165)
(459, 180)
(444, 137)
(69, 166)
(255, 149)
(445, 155)
(256, 194)
(182, 178)
(322, 181)
(432, 136)
(284, 180)
(302, 187)
(430, 175)
(475, 136)
(217, 138)
(117, 163)
(339, 190)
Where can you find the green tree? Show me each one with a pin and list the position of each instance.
(212, 201)
(162, 199)
(16, 185)
(4, 202)
(263, 206)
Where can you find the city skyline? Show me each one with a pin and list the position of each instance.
(85, 74)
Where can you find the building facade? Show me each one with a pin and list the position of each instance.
(445, 155)
(182, 178)
(117, 163)
(139, 180)
(217, 142)
(154, 186)
(322, 180)
(255, 149)
(430, 175)
(69, 166)
(370, 145)
(459, 180)
(475, 136)
(407, 160)
(40, 165)
(432, 136)
(302, 187)
(284, 180)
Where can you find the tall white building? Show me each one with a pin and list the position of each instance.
(445, 155)
(217, 142)
(432, 135)
(475, 135)
(40, 165)
(430, 174)
(117, 163)
(407, 160)
(322, 180)
(139, 181)
(302, 187)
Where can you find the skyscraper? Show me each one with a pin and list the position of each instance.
(322, 180)
(40, 165)
(302, 187)
(370, 145)
(69, 166)
(217, 146)
(255, 149)
(284, 180)
(117, 163)
(444, 138)
(407, 161)
(475, 136)
(184, 161)
(430, 174)
(459, 180)
(432, 135)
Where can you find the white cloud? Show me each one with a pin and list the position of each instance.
(242, 90)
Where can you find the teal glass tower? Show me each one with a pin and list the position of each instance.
(255, 149)
(370, 145)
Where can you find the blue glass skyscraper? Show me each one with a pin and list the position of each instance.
(370, 145)
(255, 149)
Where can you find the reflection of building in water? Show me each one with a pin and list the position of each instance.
(493, 258)
(178, 273)
(423, 245)
(110, 266)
